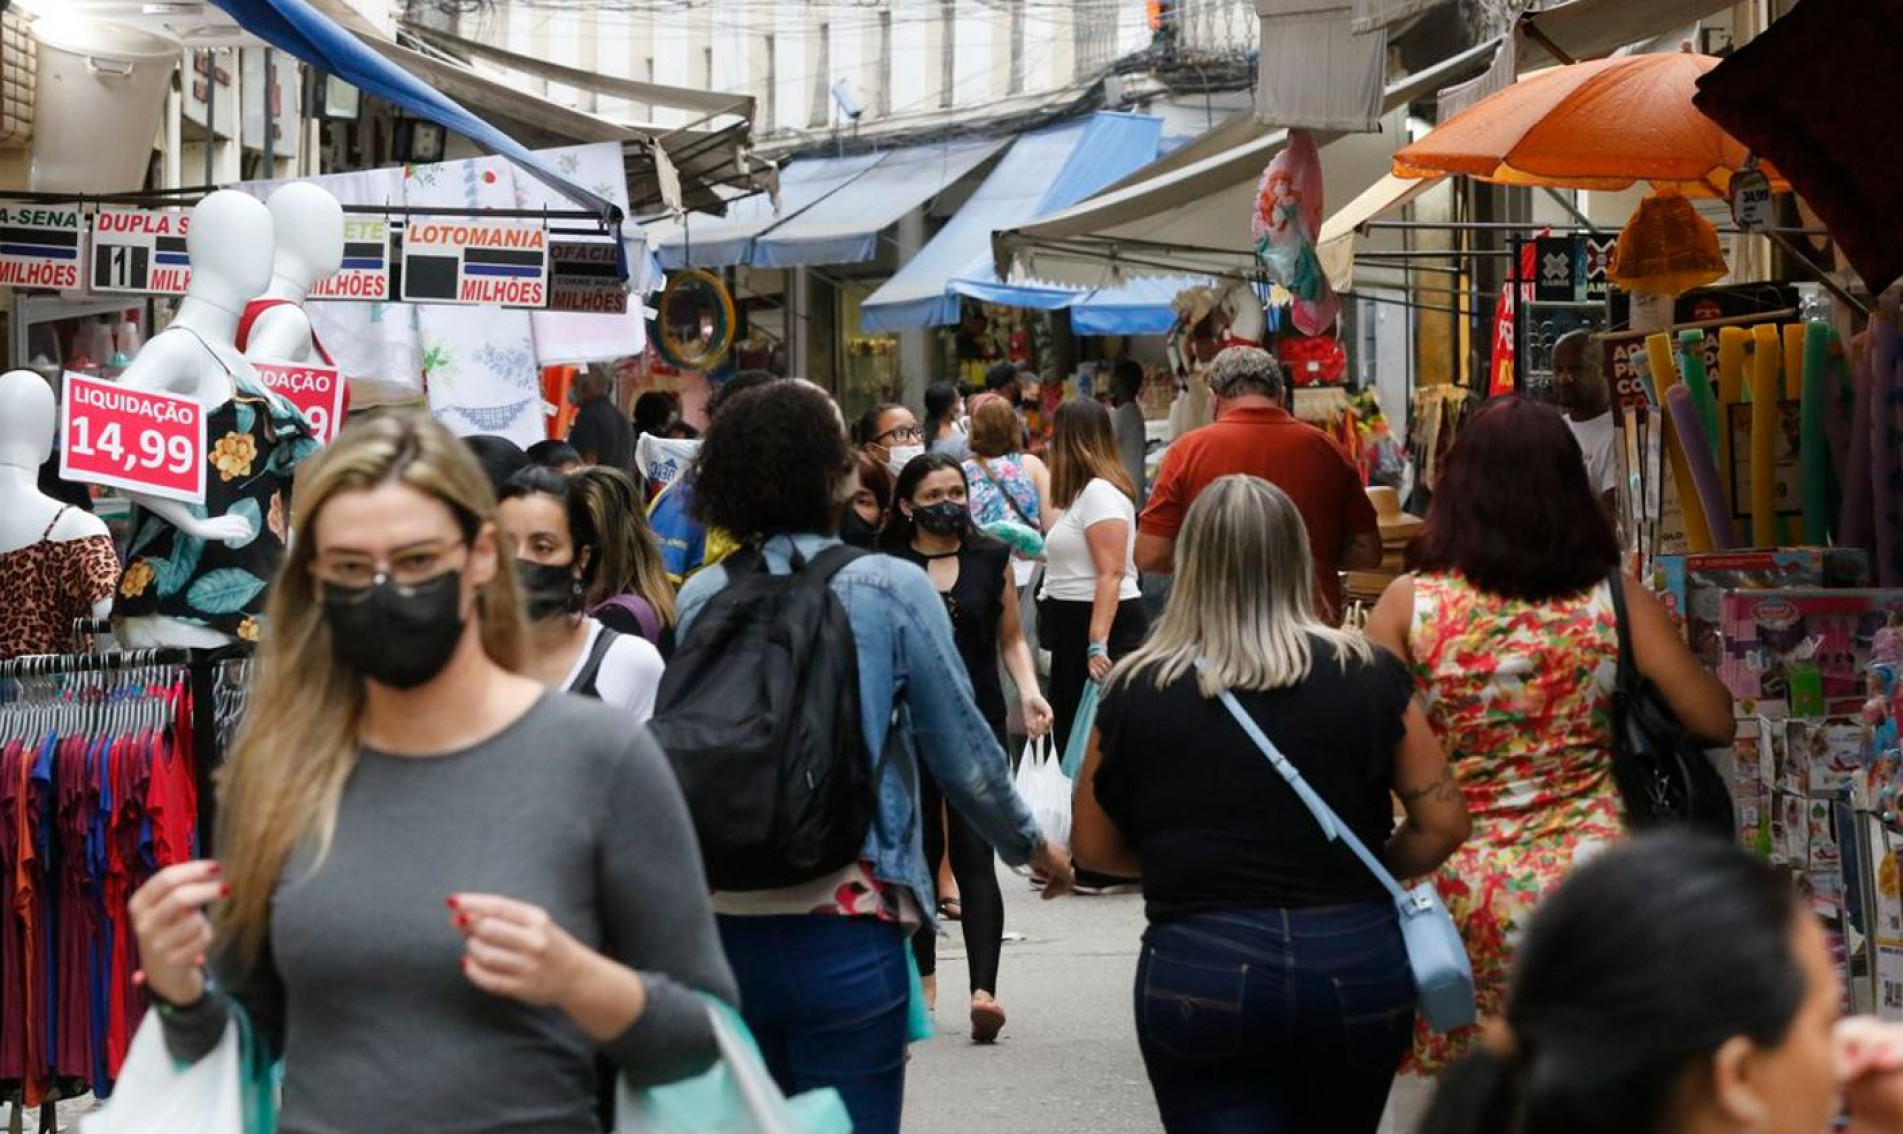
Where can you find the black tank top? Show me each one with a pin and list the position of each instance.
(975, 603)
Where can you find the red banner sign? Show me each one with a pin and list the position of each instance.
(143, 441)
(316, 390)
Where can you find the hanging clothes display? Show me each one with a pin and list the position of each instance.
(102, 770)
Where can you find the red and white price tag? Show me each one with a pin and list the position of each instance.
(139, 440)
(315, 389)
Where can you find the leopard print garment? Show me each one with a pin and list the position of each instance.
(48, 584)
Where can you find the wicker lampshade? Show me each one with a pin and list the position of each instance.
(1667, 248)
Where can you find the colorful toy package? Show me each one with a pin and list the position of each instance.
(1692, 586)
(1802, 653)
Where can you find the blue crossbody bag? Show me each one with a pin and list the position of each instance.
(1443, 975)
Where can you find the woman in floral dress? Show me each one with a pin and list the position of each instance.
(1508, 625)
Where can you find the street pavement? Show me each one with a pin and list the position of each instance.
(1067, 1060)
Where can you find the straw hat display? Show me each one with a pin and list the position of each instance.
(1397, 530)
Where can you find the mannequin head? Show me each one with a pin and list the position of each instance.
(230, 243)
(28, 418)
(310, 233)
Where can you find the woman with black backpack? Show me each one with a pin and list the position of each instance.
(820, 951)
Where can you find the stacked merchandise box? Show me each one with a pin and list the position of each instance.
(1693, 586)
(1802, 652)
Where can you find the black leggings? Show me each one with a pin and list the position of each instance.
(1064, 628)
(972, 864)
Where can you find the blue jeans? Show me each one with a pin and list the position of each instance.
(1274, 1021)
(827, 999)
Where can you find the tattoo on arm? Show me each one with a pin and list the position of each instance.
(1446, 789)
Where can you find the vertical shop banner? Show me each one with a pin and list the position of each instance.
(316, 390)
(140, 252)
(39, 245)
(140, 440)
(1501, 375)
(365, 274)
(585, 276)
(475, 262)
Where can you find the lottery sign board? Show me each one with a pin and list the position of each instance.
(140, 252)
(39, 245)
(143, 441)
(472, 261)
(586, 276)
(365, 274)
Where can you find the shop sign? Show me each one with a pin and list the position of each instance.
(1572, 269)
(316, 390)
(39, 246)
(473, 261)
(365, 274)
(586, 276)
(140, 251)
(143, 441)
(1751, 203)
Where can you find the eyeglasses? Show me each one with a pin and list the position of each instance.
(903, 433)
(411, 567)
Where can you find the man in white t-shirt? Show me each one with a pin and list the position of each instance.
(1580, 390)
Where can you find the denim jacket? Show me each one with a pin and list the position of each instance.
(911, 678)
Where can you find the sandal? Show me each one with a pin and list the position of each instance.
(987, 1020)
(951, 909)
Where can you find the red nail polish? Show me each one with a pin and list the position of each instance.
(138, 978)
(465, 960)
(199, 960)
(213, 869)
(450, 901)
(462, 921)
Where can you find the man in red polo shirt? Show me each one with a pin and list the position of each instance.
(1254, 434)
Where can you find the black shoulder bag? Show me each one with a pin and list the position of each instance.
(1664, 776)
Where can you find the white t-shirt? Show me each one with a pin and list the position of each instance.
(1070, 574)
(630, 674)
(1598, 439)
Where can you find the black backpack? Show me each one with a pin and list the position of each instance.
(758, 713)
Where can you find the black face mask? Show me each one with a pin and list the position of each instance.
(945, 518)
(549, 589)
(396, 636)
(854, 530)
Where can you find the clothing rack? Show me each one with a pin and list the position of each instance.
(106, 747)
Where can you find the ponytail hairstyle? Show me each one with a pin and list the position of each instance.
(1633, 974)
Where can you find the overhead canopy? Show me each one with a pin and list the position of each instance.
(1140, 307)
(1335, 246)
(1193, 215)
(831, 210)
(1044, 172)
(296, 27)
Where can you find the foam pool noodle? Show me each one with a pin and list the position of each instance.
(1734, 352)
(1703, 480)
(1764, 428)
(1813, 447)
(1691, 364)
(1658, 355)
(1018, 537)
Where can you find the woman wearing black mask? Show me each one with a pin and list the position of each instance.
(544, 520)
(393, 761)
(870, 501)
(930, 525)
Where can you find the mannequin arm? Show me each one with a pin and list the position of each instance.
(233, 530)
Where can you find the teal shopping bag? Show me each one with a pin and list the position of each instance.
(1078, 742)
(735, 1096)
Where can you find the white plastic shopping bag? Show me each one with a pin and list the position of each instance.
(735, 1096)
(155, 1094)
(1046, 790)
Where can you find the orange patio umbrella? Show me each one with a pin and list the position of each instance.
(1599, 125)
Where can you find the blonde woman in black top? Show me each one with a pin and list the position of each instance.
(1273, 992)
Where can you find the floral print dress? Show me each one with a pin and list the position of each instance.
(1520, 695)
(255, 443)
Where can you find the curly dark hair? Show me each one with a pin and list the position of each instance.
(774, 460)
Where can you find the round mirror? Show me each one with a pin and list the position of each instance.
(695, 324)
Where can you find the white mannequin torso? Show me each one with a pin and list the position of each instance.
(310, 245)
(283, 333)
